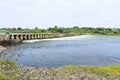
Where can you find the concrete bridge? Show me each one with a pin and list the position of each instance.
(19, 37)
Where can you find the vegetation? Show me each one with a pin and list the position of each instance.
(102, 70)
(6, 68)
(9, 71)
(75, 29)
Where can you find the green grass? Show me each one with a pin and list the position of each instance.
(104, 70)
(7, 62)
(6, 71)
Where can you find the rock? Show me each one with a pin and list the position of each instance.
(2, 48)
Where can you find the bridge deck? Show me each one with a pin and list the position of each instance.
(31, 36)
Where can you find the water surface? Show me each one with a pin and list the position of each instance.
(79, 50)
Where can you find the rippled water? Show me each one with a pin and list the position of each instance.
(79, 50)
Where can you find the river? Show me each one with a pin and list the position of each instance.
(77, 50)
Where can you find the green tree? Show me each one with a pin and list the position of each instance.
(19, 28)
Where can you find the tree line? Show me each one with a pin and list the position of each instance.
(56, 29)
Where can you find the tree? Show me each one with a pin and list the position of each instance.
(75, 27)
(19, 28)
(36, 28)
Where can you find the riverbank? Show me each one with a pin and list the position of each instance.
(72, 73)
(8, 71)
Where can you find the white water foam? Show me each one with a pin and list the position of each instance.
(63, 38)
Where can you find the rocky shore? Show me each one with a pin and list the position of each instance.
(62, 74)
(8, 72)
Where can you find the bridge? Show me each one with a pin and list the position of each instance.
(19, 37)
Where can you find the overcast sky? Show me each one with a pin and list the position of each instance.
(64, 13)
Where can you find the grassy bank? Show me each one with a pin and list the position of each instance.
(9, 71)
(102, 70)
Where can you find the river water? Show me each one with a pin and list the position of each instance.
(77, 50)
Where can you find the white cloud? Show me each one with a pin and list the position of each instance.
(59, 12)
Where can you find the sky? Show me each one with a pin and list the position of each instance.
(63, 13)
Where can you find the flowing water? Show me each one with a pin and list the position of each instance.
(77, 50)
